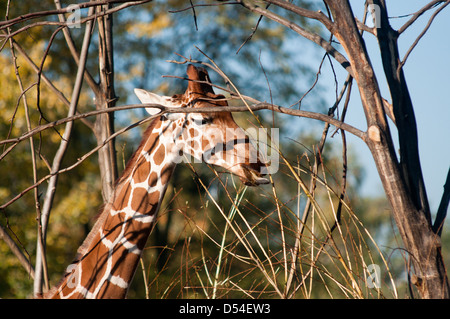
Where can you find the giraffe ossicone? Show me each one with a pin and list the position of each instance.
(106, 261)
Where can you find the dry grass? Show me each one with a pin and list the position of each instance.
(293, 242)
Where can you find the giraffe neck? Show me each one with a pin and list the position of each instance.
(107, 260)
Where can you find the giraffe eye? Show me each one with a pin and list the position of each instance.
(203, 121)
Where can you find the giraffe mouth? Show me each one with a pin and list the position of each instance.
(252, 177)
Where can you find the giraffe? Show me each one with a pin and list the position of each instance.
(107, 260)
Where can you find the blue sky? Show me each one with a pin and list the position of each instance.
(427, 72)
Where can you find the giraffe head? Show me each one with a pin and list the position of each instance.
(212, 137)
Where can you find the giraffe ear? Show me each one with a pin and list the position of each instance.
(149, 97)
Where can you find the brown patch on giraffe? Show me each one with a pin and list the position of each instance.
(205, 143)
(122, 198)
(140, 200)
(193, 132)
(153, 179)
(144, 145)
(77, 295)
(67, 287)
(154, 197)
(143, 202)
(136, 233)
(166, 173)
(111, 230)
(159, 155)
(151, 142)
(66, 291)
(94, 266)
(142, 171)
(111, 291)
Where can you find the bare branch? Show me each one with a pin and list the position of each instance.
(49, 196)
(71, 45)
(256, 107)
(47, 81)
(192, 6)
(443, 207)
(16, 251)
(3, 233)
(316, 15)
(422, 34)
(106, 98)
(416, 15)
(304, 33)
(90, 17)
(34, 15)
(78, 162)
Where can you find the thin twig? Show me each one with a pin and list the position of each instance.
(443, 207)
(304, 33)
(255, 28)
(3, 233)
(417, 14)
(33, 15)
(90, 17)
(78, 162)
(316, 15)
(421, 35)
(71, 45)
(47, 81)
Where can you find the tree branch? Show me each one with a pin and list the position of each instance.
(33, 15)
(403, 112)
(416, 15)
(16, 251)
(443, 207)
(422, 34)
(3, 233)
(47, 81)
(304, 33)
(106, 98)
(51, 189)
(71, 45)
(90, 17)
(256, 107)
(316, 15)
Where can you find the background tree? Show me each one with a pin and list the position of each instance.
(402, 179)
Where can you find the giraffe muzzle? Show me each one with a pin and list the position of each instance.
(252, 177)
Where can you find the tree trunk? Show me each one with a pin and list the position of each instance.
(106, 98)
(402, 181)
